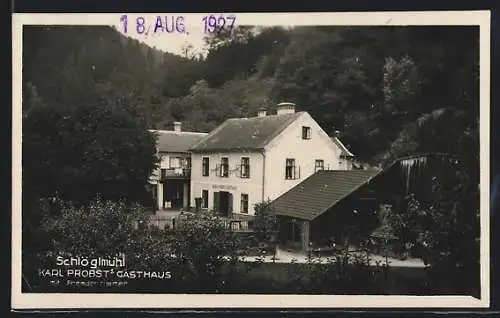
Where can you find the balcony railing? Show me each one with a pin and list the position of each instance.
(175, 173)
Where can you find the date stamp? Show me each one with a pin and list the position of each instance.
(222, 24)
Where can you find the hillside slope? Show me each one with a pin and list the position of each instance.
(391, 91)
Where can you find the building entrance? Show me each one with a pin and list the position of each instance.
(223, 202)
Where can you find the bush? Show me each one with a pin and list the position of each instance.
(342, 273)
(207, 252)
(265, 223)
(447, 238)
(201, 254)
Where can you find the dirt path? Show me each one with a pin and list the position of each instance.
(288, 257)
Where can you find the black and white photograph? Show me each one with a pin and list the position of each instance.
(206, 154)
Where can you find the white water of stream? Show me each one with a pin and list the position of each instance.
(408, 164)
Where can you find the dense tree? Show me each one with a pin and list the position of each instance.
(373, 84)
(77, 152)
(443, 230)
(265, 223)
(238, 55)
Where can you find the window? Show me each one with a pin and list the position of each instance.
(245, 167)
(224, 167)
(306, 132)
(244, 203)
(319, 164)
(292, 172)
(204, 199)
(205, 166)
(163, 173)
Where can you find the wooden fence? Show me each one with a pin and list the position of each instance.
(172, 223)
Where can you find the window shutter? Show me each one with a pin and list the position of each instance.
(239, 171)
(298, 173)
(216, 201)
(286, 168)
(217, 170)
(248, 170)
(230, 204)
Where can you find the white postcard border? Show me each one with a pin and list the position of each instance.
(83, 300)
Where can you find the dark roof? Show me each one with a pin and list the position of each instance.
(321, 191)
(245, 133)
(173, 141)
(344, 151)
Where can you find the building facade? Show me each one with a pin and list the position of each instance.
(246, 161)
(171, 182)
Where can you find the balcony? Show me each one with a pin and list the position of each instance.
(175, 173)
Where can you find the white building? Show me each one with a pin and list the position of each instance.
(246, 161)
(171, 187)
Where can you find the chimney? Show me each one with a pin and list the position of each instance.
(285, 108)
(262, 112)
(177, 126)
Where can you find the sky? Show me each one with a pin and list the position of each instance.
(171, 43)
(190, 33)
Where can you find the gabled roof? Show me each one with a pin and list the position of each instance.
(344, 151)
(245, 133)
(174, 141)
(321, 191)
(324, 189)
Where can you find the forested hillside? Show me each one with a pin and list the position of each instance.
(90, 94)
(391, 91)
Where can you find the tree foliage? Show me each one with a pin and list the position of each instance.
(443, 228)
(372, 83)
(200, 253)
(207, 253)
(266, 222)
(100, 228)
(77, 152)
(444, 231)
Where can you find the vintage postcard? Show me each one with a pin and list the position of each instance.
(230, 160)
